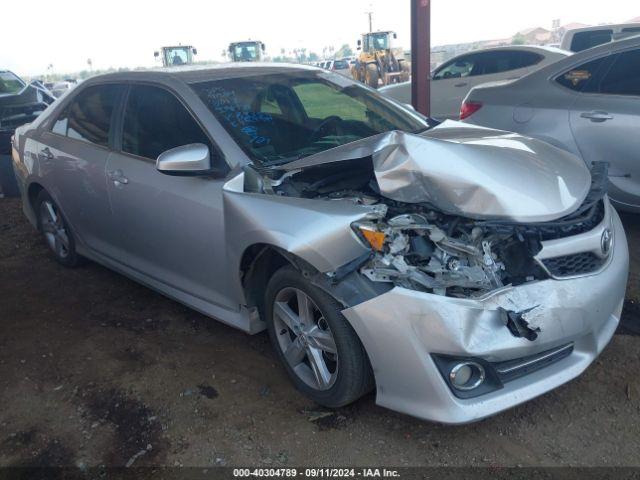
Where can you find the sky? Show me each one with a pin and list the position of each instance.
(125, 33)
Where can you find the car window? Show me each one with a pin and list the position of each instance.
(320, 111)
(9, 83)
(88, 116)
(156, 121)
(591, 38)
(456, 69)
(528, 59)
(269, 103)
(583, 78)
(623, 78)
(340, 65)
(631, 30)
(321, 101)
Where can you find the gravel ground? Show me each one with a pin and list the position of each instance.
(97, 370)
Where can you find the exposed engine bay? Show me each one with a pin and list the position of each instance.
(416, 246)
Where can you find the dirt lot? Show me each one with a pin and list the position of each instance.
(95, 369)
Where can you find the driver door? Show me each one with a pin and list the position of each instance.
(171, 228)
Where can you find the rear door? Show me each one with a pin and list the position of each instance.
(605, 121)
(73, 159)
(171, 228)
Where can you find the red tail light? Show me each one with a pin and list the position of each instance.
(468, 108)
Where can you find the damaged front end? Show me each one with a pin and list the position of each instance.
(445, 225)
(455, 256)
(490, 273)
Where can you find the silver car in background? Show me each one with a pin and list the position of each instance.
(457, 270)
(452, 80)
(587, 104)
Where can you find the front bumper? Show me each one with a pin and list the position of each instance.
(402, 328)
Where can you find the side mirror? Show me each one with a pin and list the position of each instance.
(156, 54)
(195, 51)
(187, 161)
(359, 43)
(264, 47)
(395, 36)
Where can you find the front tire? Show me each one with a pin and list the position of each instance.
(56, 231)
(372, 76)
(317, 346)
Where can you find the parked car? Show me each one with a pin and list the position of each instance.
(581, 39)
(588, 104)
(341, 67)
(452, 80)
(20, 103)
(458, 270)
(59, 88)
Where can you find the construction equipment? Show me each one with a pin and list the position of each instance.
(249, 51)
(379, 60)
(176, 56)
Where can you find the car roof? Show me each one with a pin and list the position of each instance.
(602, 27)
(203, 73)
(605, 48)
(525, 48)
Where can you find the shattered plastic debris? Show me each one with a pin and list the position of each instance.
(518, 325)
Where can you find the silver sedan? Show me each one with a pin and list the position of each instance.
(587, 104)
(456, 270)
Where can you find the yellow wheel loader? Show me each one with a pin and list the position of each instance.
(379, 61)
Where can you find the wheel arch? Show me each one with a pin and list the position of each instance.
(258, 263)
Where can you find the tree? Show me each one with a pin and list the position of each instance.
(518, 39)
(314, 57)
(344, 51)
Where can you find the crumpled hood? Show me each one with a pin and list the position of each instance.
(471, 171)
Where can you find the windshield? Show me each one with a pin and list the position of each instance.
(245, 52)
(380, 41)
(280, 118)
(177, 56)
(10, 83)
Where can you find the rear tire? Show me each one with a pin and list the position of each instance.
(317, 346)
(55, 231)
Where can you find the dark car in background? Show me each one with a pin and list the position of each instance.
(20, 103)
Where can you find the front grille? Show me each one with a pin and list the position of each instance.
(574, 265)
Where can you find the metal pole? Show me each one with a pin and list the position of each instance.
(421, 55)
(370, 14)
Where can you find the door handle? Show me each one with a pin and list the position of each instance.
(459, 85)
(117, 177)
(597, 117)
(46, 154)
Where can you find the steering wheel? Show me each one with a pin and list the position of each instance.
(319, 132)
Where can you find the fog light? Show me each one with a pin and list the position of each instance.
(467, 375)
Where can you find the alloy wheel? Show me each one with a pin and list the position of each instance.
(53, 229)
(305, 338)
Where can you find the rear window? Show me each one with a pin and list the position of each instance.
(589, 39)
(10, 83)
(340, 65)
